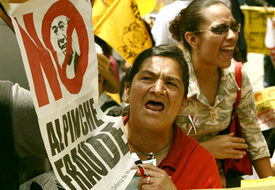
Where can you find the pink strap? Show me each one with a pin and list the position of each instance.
(238, 77)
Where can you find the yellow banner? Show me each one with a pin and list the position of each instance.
(255, 27)
(265, 182)
(123, 29)
(265, 102)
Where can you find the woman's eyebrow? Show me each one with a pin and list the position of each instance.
(148, 72)
(166, 77)
(171, 78)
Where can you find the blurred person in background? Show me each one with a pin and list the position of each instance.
(269, 67)
(241, 50)
(107, 82)
(20, 162)
(11, 63)
(160, 29)
(18, 121)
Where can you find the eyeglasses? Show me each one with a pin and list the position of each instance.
(221, 29)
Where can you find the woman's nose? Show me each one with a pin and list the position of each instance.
(159, 87)
(232, 35)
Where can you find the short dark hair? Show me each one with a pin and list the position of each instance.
(165, 50)
(190, 19)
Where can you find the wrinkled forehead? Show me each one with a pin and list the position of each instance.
(164, 64)
(60, 20)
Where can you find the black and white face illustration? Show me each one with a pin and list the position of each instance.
(59, 39)
(59, 30)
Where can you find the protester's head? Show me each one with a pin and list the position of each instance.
(106, 79)
(202, 17)
(165, 50)
(158, 84)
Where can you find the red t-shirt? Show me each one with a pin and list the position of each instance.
(189, 164)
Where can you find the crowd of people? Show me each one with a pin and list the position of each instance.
(189, 75)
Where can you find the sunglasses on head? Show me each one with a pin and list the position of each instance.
(221, 29)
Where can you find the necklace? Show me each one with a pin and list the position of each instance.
(152, 155)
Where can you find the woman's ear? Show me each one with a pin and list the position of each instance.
(126, 93)
(192, 39)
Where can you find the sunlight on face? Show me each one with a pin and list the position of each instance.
(157, 91)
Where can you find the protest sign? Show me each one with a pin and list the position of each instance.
(265, 102)
(87, 149)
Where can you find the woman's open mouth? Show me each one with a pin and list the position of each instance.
(154, 106)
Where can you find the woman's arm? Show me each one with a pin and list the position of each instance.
(263, 167)
(27, 137)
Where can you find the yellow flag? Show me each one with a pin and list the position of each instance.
(99, 8)
(145, 7)
(123, 29)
